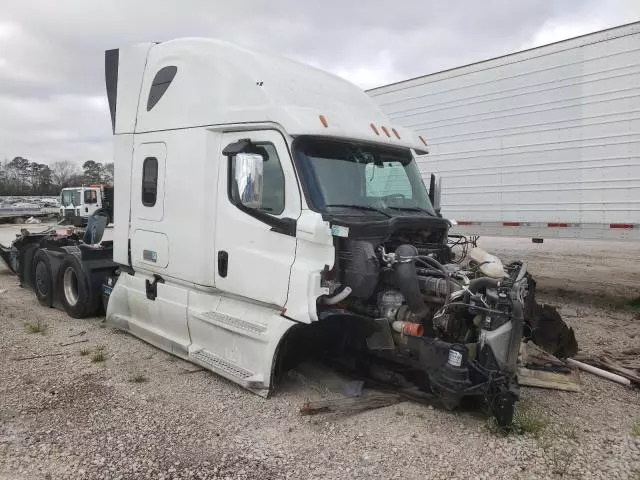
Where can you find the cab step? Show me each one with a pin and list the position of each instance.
(230, 370)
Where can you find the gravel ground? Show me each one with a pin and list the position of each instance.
(66, 416)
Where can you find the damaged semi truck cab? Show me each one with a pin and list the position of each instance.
(266, 209)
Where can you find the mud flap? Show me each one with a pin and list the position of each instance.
(9, 256)
(545, 327)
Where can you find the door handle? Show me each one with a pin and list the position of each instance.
(223, 263)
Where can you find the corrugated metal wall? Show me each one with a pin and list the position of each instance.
(549, 134)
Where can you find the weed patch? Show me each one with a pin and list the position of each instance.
(528, 421)
(37, 327)
(138, 378)
(98, 356)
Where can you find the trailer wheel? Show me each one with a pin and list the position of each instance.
(42, 278)
(76, 293)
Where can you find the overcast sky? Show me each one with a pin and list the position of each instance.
(52, 98)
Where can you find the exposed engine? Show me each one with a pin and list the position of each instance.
(461, 324)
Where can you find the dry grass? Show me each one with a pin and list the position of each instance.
(138, 378)
(98, 356)
(37, 327)
(527, 421)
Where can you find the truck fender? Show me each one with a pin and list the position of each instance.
(284, 357)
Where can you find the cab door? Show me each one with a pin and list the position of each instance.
(91, 201)
(255, 240)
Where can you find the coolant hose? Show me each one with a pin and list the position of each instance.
(406, 279)
(433, 262)
(482, 282)
(430, 272)
(338, 297)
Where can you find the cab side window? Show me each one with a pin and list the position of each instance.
(90, 196)
(149, 181)
(272, 181)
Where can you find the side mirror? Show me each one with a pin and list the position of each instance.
(435, 190)
(248, 179)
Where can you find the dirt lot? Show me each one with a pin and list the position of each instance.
(106, 405)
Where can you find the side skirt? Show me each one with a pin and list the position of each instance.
(234, 338)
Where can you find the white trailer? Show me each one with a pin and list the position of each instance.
(541, 143)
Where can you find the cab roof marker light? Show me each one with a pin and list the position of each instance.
(323, 121)
(386, 132)
(395, 132)
(375, 130)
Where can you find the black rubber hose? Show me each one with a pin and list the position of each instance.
(406, 279)
(482, 282)
(432, 261)
(430, 272)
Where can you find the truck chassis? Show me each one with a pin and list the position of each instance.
(63, 271)
(67, 273)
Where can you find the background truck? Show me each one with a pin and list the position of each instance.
(77, 204)
(541, 143)
(266, 212)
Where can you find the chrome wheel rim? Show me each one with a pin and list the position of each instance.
(42, 278)
(70, 285)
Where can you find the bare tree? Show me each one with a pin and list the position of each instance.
(62, 171)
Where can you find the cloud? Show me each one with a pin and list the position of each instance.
(51, 53)
(599, 16)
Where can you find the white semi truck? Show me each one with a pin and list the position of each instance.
(266, 210)
(543, 143)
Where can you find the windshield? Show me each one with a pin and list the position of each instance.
(341, 174)
(67, 197)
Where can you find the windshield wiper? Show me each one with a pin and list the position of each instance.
(360, 207)
(412, 209)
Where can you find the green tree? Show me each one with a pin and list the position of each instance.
(43, 184)
(19, 172)
(93, 171)
(108, 173)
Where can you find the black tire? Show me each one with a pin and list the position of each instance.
(78, 296)
(42, 278)
(503, 408)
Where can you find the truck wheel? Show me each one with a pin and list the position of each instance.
(76, 293)
(42, 278)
